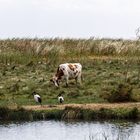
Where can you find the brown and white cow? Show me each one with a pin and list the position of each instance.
(68, 71)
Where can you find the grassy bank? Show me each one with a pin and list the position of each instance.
(21, 114)
(110, 69)
(69, 113)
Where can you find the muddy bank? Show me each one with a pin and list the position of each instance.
(75, 111)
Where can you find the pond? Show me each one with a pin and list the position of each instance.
(61, 130)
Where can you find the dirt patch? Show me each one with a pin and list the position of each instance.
(94, 106)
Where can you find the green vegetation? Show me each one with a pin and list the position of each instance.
(26, 65)
(21, 114)
(123, 93)
(103, 113)
(68, 113)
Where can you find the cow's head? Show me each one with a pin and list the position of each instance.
(55, 81)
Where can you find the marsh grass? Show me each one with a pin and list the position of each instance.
(102, 113)
(20, 114)
(69, 113)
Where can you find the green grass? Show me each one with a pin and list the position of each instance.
(103, 113)
(20, 114)
(24, 69)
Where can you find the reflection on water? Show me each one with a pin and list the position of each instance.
(59, 130)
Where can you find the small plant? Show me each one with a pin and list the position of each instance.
(123, 93)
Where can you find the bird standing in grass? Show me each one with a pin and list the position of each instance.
(60, 98)
(37, 98)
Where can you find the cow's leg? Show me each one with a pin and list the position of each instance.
(79, 78)
(66, 78)
(76, 79)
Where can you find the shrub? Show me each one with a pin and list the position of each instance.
(122, 93)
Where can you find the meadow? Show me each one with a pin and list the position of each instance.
(111, 70)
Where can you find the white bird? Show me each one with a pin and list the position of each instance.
(37, 98)
(60, 98)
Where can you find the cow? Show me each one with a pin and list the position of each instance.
(68, 71)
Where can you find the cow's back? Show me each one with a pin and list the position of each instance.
(70, 66)
(71, 69)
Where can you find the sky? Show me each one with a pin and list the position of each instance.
(69, 18)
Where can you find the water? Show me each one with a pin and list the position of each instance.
(59, 130)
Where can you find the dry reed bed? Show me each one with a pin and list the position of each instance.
(80, 46)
